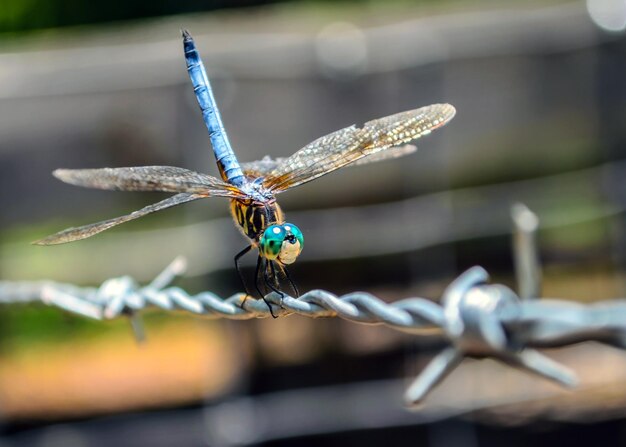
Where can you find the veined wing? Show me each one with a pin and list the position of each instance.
(149, 178)
(351, 144)
(264, 166)
(390, 153)
(77, 233)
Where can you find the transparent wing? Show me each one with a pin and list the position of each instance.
(392, 152)
(78, 233)
(351, 144)
(263, 167)
(148, 178)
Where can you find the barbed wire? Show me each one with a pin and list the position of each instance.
(475, 318)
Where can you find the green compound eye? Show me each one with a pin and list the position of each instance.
(271, 241)
(291, 228)
(292, 245)
(281, 242)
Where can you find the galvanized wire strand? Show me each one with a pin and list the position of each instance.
(120, 296)
(475, 318)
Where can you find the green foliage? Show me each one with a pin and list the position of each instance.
(23, 15)
(23, 326)
(36, 324)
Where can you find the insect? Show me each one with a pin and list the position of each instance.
(252, 187)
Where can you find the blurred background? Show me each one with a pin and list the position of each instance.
(540, 92)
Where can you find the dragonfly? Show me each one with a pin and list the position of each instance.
(252, 187)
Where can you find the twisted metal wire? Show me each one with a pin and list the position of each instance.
(475, 318)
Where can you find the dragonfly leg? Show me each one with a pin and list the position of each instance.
(271, 280)
(257, 273)
(293, 284)
(260, 265)
(240, 273)
(273, 276)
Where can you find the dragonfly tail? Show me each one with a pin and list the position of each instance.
(225, 156)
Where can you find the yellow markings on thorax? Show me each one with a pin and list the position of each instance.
(254, 217)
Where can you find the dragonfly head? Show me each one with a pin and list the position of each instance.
(282, 243)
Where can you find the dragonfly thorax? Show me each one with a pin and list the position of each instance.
(256, 191)
(253, 216)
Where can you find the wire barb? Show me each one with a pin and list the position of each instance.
(475, 318)
(526, 256)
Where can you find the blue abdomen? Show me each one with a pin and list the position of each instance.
(224, 155)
